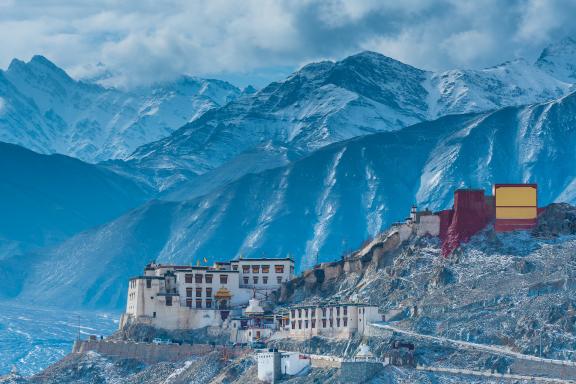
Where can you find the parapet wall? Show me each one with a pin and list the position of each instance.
(145, 352)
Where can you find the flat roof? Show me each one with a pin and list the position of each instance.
(146, 278)
(265, 259)
(516, 185)
(320, 305)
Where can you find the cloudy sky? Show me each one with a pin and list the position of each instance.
(256, 41)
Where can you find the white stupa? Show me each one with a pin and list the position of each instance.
(364, 353)
(254, 308)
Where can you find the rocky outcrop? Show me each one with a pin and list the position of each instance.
(323, 279)
(555, 220)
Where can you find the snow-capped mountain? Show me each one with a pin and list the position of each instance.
(329, 102)
(320, 206)
(512, 83)
(44, 109)
(558, 60)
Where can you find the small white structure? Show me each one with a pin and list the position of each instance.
(419, 223)
(364, 354)
(335, 320)
(190, 297)
(254, 325)
(273, 364)
(269, 366)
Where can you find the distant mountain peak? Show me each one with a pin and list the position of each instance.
(377, 59)
(249, 90)
(55, 113)
(559, 59)
(38, 66)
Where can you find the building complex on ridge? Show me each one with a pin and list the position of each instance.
(190, 297)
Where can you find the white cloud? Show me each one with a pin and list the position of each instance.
(146, 41)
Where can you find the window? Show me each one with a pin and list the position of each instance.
(198, 303)
(337, 311)
(313, 323)
(235, 267)
(299, 324)
(189, 303)
(338, 322)
(245, 278)
(223, 279)
(198, 292)
(246, 269)
(331, 323)
(198, 278)
(324, 312)
(345, 311)
(279, 268)
(306, 324)
(293, 313)
(208, 279)
(153, 314)
(279, 279)
(148, 283)
(345, 321)
(299, 313)
(188, 292)
(169, 301)
(208, 292)
(323, 323)
(265, 279)
(208, 303)
(293, 323)
(188, 278)
(265, 269)
(306, 312)
(255, 279)
(331, 311)
(255, 268)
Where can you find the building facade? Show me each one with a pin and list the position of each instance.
(334, 320)
(190, 297)
(516, 206)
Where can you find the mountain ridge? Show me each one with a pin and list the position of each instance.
(328, 102)
(48, 111)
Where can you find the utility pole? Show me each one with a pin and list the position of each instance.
(78, 336)
(541, 342)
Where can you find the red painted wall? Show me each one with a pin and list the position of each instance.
(471, 213)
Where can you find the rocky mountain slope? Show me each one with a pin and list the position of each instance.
(44, 109)
(511, 291)
(318, 207)
(329, 102)
(46, 199)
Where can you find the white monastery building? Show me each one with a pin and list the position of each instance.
(191, 297)
(334, 320)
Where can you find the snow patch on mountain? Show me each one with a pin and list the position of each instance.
(558, 60)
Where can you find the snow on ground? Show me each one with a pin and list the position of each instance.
(33, 338)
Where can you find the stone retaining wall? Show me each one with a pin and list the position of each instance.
(146, 352)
